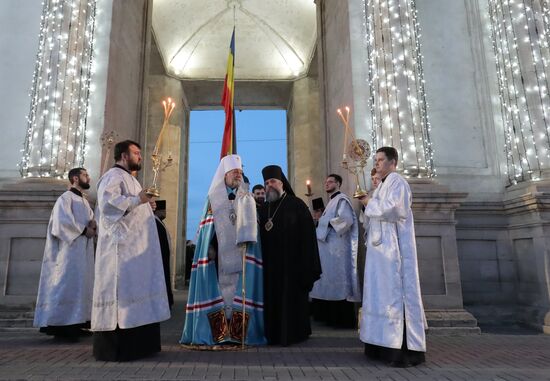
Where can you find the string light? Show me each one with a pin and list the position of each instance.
(519, 31)
(56, 124)
(396, 80)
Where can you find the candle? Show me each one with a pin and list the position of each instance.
(168, 108)
(345, 122)
(308, 185)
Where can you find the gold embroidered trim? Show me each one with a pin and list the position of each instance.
(218, 325)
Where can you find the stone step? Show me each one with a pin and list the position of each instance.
(453, 331)
(450, 318)
(16, 315)
(19, 329)
(16, 318)
(16, 323)
(442, 323)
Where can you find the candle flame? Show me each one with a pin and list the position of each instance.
(308, 182)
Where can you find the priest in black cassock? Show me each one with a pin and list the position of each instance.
(291, 260)
(164, 240)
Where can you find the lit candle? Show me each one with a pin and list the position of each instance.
(345, 133)
(168, 109)
(308, 185)
(347, 130)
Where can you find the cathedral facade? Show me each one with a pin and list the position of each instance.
(460, 88)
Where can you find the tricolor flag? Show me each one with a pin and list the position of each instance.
(229, 141)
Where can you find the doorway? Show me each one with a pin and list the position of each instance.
(261, 141)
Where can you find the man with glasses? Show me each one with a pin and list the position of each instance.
(334, 294)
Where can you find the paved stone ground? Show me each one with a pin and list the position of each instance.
(328, 355)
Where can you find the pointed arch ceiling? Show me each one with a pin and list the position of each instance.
(275, 39)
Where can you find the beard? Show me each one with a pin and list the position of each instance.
(272, 195)
(134, 166)
(83, 185)
(234, 184)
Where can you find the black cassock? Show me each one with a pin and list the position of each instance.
(165, 251)
(291, 266)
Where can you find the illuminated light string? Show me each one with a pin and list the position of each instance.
(56, 134)
(519, 31)
(398, 106)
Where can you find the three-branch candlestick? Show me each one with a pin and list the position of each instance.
(156, 157)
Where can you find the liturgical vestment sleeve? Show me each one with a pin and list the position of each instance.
(64, 226)
(344, 218)
(394, 207)
(117, 205)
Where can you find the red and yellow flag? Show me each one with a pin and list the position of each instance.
(229, 141)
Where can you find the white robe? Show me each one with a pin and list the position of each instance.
(129, 288)
(232, 236)
(337, 239)
(67, 276)
(391, 287)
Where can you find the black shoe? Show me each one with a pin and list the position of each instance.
(85, 333)
(406, 364)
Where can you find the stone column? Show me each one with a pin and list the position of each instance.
(25, 209)
(396, 80)
(26, 204)
(306, 139)
(527, 206)
(522, 52)
(56, 131)
(434, 207)
(522, 55)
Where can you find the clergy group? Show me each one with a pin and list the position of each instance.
(264, 264)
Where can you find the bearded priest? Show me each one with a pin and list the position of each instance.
(291, 260)
(64, 303)
(129, 291)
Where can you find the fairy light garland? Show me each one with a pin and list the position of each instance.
(519, 31)
(398, 104)
(56, 124)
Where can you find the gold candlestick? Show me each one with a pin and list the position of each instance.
(358, 151)
(156, 157)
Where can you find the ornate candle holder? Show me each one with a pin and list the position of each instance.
(358, 151)
(107, 142)
(158, 163)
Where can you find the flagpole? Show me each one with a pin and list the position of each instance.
(233, 93)
(243, 283)
(234, 145)
(244, 297)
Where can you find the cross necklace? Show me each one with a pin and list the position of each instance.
(269, 224)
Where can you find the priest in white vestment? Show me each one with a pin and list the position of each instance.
(64, 302)
(393, 322)
(228, 234)
(334, 294)
(129, 292)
